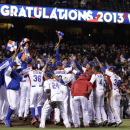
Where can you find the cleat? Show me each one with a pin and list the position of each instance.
(105, 123)
(20, 118)
(117, 124)
(56, 122)
(39, 119)
(86, 126)
(111, 124)
(98, 124)
(70, 127)
(7, 123)
(25, 119)
(33, 121)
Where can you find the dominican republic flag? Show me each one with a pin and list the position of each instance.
(11, 46)
(60, 35)
(23, 48)
(24, 40)
(26, 54)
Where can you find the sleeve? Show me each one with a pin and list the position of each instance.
(103, 69)
(93, 78)
(67, 70)
(107, 72)
(54, 67)
(76, 72)
(78, 66)
(66, 79)
(20, 78)
(90, 86)
(5, 64)
(119, 82)
(9, 69)
(57, 55)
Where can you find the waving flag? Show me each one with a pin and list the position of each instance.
(11, 46)
(24, 40)
(60, 35)
(26, 54)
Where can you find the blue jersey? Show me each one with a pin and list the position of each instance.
(12, 79)
(2, 69)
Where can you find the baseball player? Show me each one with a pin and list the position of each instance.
(98, 93)
(3, 94)
(80, 91)
(12, 83)
(25, 92)
(36, 82)
(52, 88)
(114, 93)
(88, 72)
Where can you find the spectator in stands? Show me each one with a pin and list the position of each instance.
(28, 2)
(83, 3)
(57, 3)
(89, 4)
(75, 4)
(98, 5)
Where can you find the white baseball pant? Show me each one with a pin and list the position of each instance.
(99, 105)
(25, 99)
(115, 105)
(4, 105)
(80, 100)
(47, 107)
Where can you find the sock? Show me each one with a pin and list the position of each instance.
(10, 112)
(33, 112)
(39, 111)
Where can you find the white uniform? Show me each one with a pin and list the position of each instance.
(36, 81)
(56, 95)
(98, 94)
(115, 98)
(25, 93)
(61, 73)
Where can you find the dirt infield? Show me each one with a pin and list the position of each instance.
(20, 123)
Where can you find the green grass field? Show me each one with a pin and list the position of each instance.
(124, 126)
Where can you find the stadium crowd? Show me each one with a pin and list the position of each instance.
(108, 48)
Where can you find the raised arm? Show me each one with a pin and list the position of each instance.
(57, 52)
(101, 66)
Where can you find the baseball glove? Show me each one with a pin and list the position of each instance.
(53, 104)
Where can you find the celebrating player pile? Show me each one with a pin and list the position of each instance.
(64, 88)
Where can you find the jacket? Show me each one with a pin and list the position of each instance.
(81, 87)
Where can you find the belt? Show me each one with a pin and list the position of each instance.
(36, 86)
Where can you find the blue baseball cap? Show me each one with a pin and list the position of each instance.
(67, 64)
(59, 63)
(5, 59)
(113, 68)
(84, 75)
(44, 61)
(29, 60)
(91, 63)
(14, 64)
(48, 74)
(34, 65)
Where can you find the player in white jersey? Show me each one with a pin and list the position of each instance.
(52, 88)
(114, 93)
(25, 92)
(98, 93)
(36, 82)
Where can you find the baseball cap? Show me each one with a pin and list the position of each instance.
(59, 63)
(113, 68)
(91, 63)
(84, 75)
(67, 64)
(48, 74)
(29, 60)
(14, 64)
(34, 65)
(44, 61)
